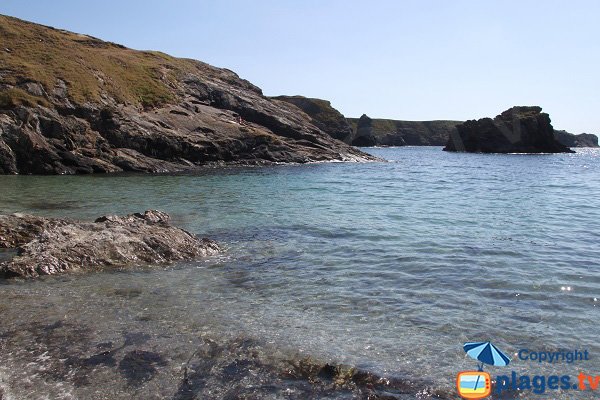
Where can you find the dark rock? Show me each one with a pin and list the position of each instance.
(322, 115)
(365, 141)
(52, 246)
(364, 132)
(389, 132)
(139, 366)
(517, 130)
(572, 140)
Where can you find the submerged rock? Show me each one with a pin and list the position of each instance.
(51, 246)
(517, 130)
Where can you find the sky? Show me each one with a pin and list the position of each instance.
(397, 59)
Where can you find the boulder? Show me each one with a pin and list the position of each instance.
(517, 130)
(48, 246)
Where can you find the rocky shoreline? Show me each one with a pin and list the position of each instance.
(49, 246)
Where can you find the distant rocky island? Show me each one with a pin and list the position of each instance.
(516, 130)
(368, 132)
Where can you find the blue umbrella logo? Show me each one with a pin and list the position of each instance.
(486, 353)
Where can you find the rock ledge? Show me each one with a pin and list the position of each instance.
(48, 246)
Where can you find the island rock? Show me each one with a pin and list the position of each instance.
(517, 130)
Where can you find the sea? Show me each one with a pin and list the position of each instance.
(387, 268)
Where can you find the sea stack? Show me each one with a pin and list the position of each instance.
(517, 130)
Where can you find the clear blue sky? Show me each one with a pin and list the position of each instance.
(415, 60)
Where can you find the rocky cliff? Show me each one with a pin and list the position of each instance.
(572, 140)
(366, 132)
(517, 130)
(388, 132)
(71, 103)
(323, 115)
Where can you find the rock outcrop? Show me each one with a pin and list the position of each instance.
(322, 115)
(572, 140)
(368, 132)
(72, 103)
(517, 130)
(364, 136)
(389, 132)
(48, 246)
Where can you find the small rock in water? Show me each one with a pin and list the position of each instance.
(51, 246)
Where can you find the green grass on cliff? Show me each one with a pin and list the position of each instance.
(320, 110)
(89, 66)
(325, 112)
(384, 126)
(380, 126)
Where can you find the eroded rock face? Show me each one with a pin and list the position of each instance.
(204, 129)
(517, 130)
(53, 246)
(364, 132)
(323, 115)
(171, 115)
(572, 140)
(389, 132)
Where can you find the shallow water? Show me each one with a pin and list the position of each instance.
(386, 266)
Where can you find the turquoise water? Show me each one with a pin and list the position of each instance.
(386, 266)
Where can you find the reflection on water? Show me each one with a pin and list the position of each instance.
(389, 267)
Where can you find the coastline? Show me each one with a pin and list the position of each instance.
(305, 247)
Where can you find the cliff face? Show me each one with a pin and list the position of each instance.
(367, 132)
(572, 140)
(517, 130)
(322, 115)
(72, 103)
(388, 132)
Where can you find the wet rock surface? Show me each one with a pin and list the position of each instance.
(52, 246)
(19, 229)
(517, 130)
